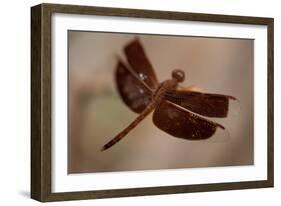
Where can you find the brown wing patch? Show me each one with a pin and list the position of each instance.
(133, 93)
(140, 63)
(210, 105)
(183, 124)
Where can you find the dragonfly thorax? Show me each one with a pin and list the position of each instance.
(164, 87)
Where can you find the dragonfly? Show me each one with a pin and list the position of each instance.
(179, 112)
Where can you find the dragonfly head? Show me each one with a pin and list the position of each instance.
(178, 75)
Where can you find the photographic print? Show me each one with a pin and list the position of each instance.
(128, 102)
(150, 102)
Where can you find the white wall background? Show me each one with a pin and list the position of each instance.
(15, 102)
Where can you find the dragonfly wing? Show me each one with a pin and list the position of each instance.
(210, 105)
(181, 123)
(132, 92)
(139, 62)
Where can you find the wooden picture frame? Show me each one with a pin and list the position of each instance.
(41, 98)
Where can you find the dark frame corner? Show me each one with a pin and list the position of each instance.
(41, 101)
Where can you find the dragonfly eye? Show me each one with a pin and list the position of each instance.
(178, 75)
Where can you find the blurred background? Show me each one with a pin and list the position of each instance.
(97, 113)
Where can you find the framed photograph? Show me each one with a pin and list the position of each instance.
(132, 102)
